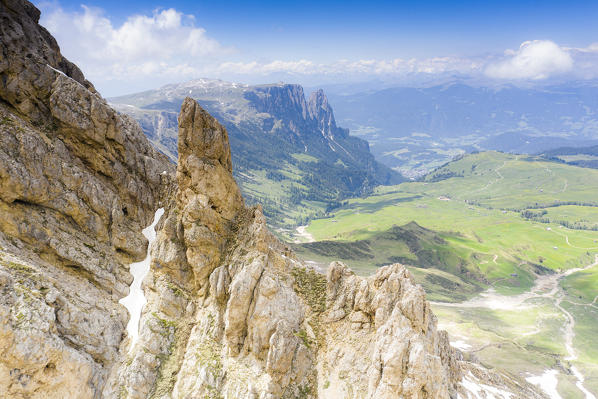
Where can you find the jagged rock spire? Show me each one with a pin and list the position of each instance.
(202, 135)
(208, 196)
(321, 112)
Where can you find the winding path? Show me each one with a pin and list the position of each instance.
(500, 177)
(566, 238)
(544, 287)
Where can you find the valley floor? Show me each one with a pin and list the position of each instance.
(525, 321)
(507, 248)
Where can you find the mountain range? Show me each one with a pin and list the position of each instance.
(415, 129)
(288, 152)
(93, 217)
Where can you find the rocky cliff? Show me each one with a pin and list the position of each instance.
(288, 152)
(78, 182)
(230, 312)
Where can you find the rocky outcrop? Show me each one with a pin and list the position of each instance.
(385, 339)
(221, 313)
(321, 112)
(230, 312)
(78, 182)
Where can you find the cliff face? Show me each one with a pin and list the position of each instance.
(230, 311)
(321, 112)
(281, 141)
(305, 119)
(78, 182)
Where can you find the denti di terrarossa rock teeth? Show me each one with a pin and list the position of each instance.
(232, 313)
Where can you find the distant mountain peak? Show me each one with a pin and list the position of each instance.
(321, 111)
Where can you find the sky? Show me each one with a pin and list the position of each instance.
(129, 46)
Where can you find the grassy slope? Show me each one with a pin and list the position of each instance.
(481, 219)
(409, 244)
(481, 223)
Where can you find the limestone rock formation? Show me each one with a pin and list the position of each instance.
(230, 313)
(321, 112)
(78, 182)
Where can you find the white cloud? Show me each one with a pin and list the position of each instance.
(592, 48)
(166, 42)
(360, 67)
(537, 59)
(147, 51)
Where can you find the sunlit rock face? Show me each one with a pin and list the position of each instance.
(78, 182)
(230, 311)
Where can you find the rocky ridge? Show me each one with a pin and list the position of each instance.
(78, 182)
(230, 313)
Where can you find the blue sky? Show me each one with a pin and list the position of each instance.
(313, 42)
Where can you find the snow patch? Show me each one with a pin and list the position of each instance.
(65, 75)
(475, 390)
(56, 70)
(462, 345)
(547, 382)
(136, 299)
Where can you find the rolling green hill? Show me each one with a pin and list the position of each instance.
(438, 263)
(485, 207)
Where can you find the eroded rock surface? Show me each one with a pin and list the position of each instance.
(230, 313)
(78, 182)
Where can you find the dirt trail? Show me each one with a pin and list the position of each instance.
(302, 235)
(544, 287)
(566, 238)
(500, 177)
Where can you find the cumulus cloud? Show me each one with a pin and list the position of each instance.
(536, 59)
(166, 42)
(167, 46)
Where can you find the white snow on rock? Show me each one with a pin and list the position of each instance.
(547, 382)
(462, 345)
(476, 390)
(136, 299)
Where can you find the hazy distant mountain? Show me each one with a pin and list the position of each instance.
(414, 129)
(586, 157)
(288, 152)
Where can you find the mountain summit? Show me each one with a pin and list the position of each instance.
(288, 153)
